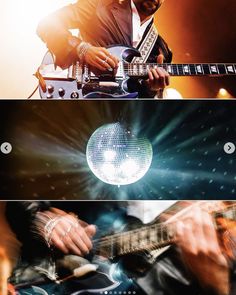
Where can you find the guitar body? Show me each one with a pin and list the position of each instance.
(94, 282)
(111, 275)
(68, 84)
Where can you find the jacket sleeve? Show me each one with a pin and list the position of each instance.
(54, 30)
(21, 214)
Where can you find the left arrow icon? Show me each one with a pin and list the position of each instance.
(6, 148)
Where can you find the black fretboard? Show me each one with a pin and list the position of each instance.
(219, 69)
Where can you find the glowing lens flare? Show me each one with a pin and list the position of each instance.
(116, 156)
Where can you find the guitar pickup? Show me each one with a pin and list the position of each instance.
(75, 72)
(108, 84)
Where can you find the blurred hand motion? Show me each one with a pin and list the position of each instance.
(201, 252)
(65, 231)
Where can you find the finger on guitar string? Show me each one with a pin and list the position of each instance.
(190, 235)
(210, 233)
(163, 77)
(100, 58)
(156, 79)
(75, 243)
(57, 242)
(200, 250)
(76, 233)
(151, 75)
(185, 238)
(106, 60)
(197, 236)
(165, 74)
(102, 64)
(160, 59)
(68, 242)
(75, 247)
(59, 238)
(90, 230)
(159, 77)
(81, 238)
(113, 60)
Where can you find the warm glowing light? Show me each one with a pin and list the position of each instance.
(172, 93)
(28, 13)
(223, 94)
(23, 50)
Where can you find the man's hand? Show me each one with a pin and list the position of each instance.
(100, 58)
(158, 78)
(68, 234)
(197, 239)
(70, 237)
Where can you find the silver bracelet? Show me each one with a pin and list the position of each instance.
(82, 50)
(50, 225)
(48, 229)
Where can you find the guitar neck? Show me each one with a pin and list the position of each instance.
(150, 237)
(145, 238)
(219, 69)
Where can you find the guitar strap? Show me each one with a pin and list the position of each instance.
(145, 48)
(146, 45)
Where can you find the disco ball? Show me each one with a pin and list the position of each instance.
(116, 156)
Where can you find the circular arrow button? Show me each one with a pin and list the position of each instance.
(229, 148)
(6, 148)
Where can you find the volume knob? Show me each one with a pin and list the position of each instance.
(61, 92)
(74, 94)
(50, 89)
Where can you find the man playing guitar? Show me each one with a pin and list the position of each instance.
(197, 266)
(103, 23)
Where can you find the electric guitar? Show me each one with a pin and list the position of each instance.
(82, 82)
(143, 242)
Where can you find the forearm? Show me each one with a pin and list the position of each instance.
(54, 31)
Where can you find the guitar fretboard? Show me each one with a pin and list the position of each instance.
(141, 69)
(148, 237)
(145, 238)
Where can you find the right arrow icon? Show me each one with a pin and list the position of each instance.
(229, 148)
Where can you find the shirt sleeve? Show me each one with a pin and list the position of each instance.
(21, 214)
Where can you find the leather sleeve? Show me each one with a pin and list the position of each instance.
(54, 30)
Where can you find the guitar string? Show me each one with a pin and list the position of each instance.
(176, 68)
(122, 248)
(107, 240)
(119, 240)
